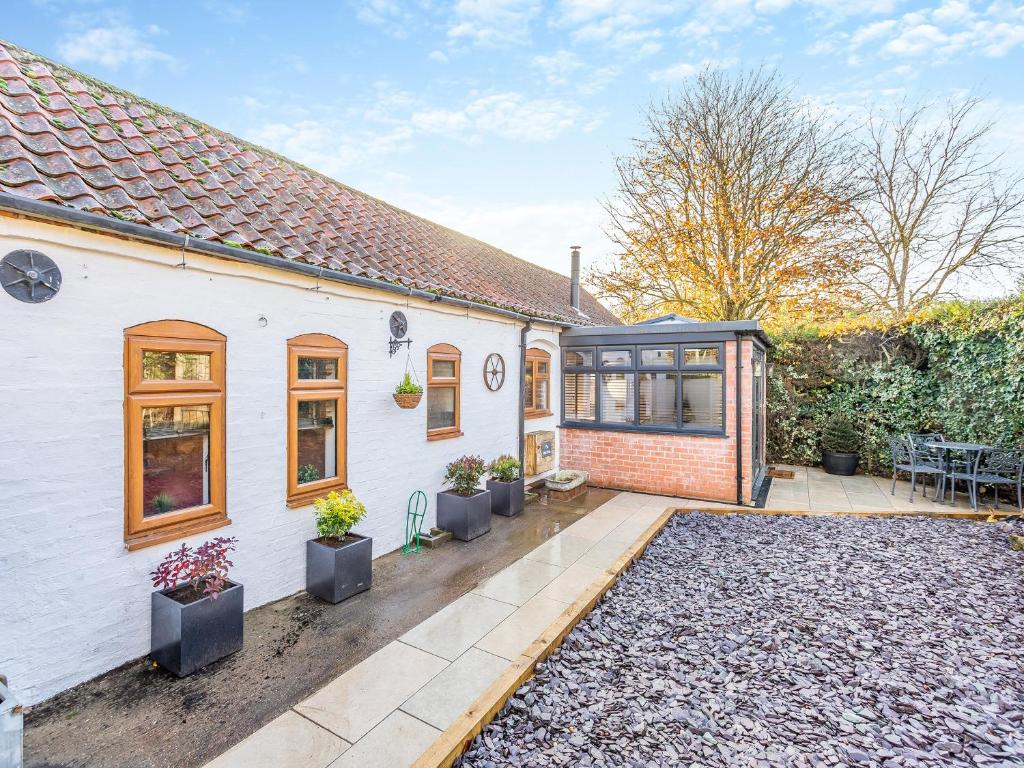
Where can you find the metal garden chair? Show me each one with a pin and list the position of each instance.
(994, 467)
(906, 458)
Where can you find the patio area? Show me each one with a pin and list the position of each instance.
(812, 489)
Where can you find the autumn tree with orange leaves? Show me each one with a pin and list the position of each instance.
(733, 206)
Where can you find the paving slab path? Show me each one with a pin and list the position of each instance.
(388, 709)
(139, 716)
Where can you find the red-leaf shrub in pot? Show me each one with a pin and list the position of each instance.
(197, 612)
(465, 510)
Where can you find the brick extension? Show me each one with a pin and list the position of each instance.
(693, 466)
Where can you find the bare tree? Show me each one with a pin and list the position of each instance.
(733, 206)
(933, 208)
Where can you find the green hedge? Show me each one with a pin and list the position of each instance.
(959, 369)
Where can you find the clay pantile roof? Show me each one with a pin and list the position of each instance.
(70, 140)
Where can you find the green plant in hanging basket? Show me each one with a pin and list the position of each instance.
(408, 386)
(408, 393)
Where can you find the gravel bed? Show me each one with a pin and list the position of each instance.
(751, 640)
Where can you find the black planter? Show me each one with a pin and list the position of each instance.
(839, 463)
(185, 637)
(465, 516)
(507, 498)
(336, 572)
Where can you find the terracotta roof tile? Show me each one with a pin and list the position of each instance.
(73, 141)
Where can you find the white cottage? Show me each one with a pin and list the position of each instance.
(199, 336)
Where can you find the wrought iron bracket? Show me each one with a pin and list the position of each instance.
(394, 345)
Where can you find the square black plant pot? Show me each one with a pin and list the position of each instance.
(336, 569)
(465, 516)
(186, 636)
(507, 498)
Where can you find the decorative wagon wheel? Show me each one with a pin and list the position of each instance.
(494, 371)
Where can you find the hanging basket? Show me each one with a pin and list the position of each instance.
(408, 400)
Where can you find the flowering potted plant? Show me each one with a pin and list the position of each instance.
(465, 510)
(197, 612)
(507, 487)
(338, 562)
(408, 394)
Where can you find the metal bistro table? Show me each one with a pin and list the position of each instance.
(969, 449)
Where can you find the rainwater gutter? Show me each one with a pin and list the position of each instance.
(95, 222)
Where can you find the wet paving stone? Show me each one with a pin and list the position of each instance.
(762, 641)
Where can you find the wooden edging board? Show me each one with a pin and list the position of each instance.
(457, 737)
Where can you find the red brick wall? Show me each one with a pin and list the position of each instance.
(671, 465)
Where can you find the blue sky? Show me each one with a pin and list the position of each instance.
(502, 118)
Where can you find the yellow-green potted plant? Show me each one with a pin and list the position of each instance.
(507, 487)
(339, 563)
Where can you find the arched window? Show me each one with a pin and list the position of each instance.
(537, 395)
(444, 371)
(174, 431)
(317, 416)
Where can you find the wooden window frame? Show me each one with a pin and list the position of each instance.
(326, 347)
(139, 393)
(535, 356)
(445, 352)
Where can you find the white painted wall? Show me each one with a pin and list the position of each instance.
(74, 602)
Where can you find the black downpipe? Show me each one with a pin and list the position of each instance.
(522, 396)
(739, 420)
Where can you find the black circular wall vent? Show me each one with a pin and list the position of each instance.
(29, 276)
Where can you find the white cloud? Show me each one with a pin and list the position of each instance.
(336, 140)
(328, 144)
(540, 232)
(565, 68)
(509, 115)
(112, 45)
(953, 28)
(492, 22)
(557, 67)
(685, 69)
(395, 17)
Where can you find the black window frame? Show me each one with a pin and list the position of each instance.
(636, 368)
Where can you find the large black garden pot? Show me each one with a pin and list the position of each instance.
(336, 569)
(186, 636)
(839, 463)
(507, 498)
(465, 516)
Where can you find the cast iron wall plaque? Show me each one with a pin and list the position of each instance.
(494, 371)
(399, 327)
(29, 276)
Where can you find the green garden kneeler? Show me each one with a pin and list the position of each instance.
(413, 520)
